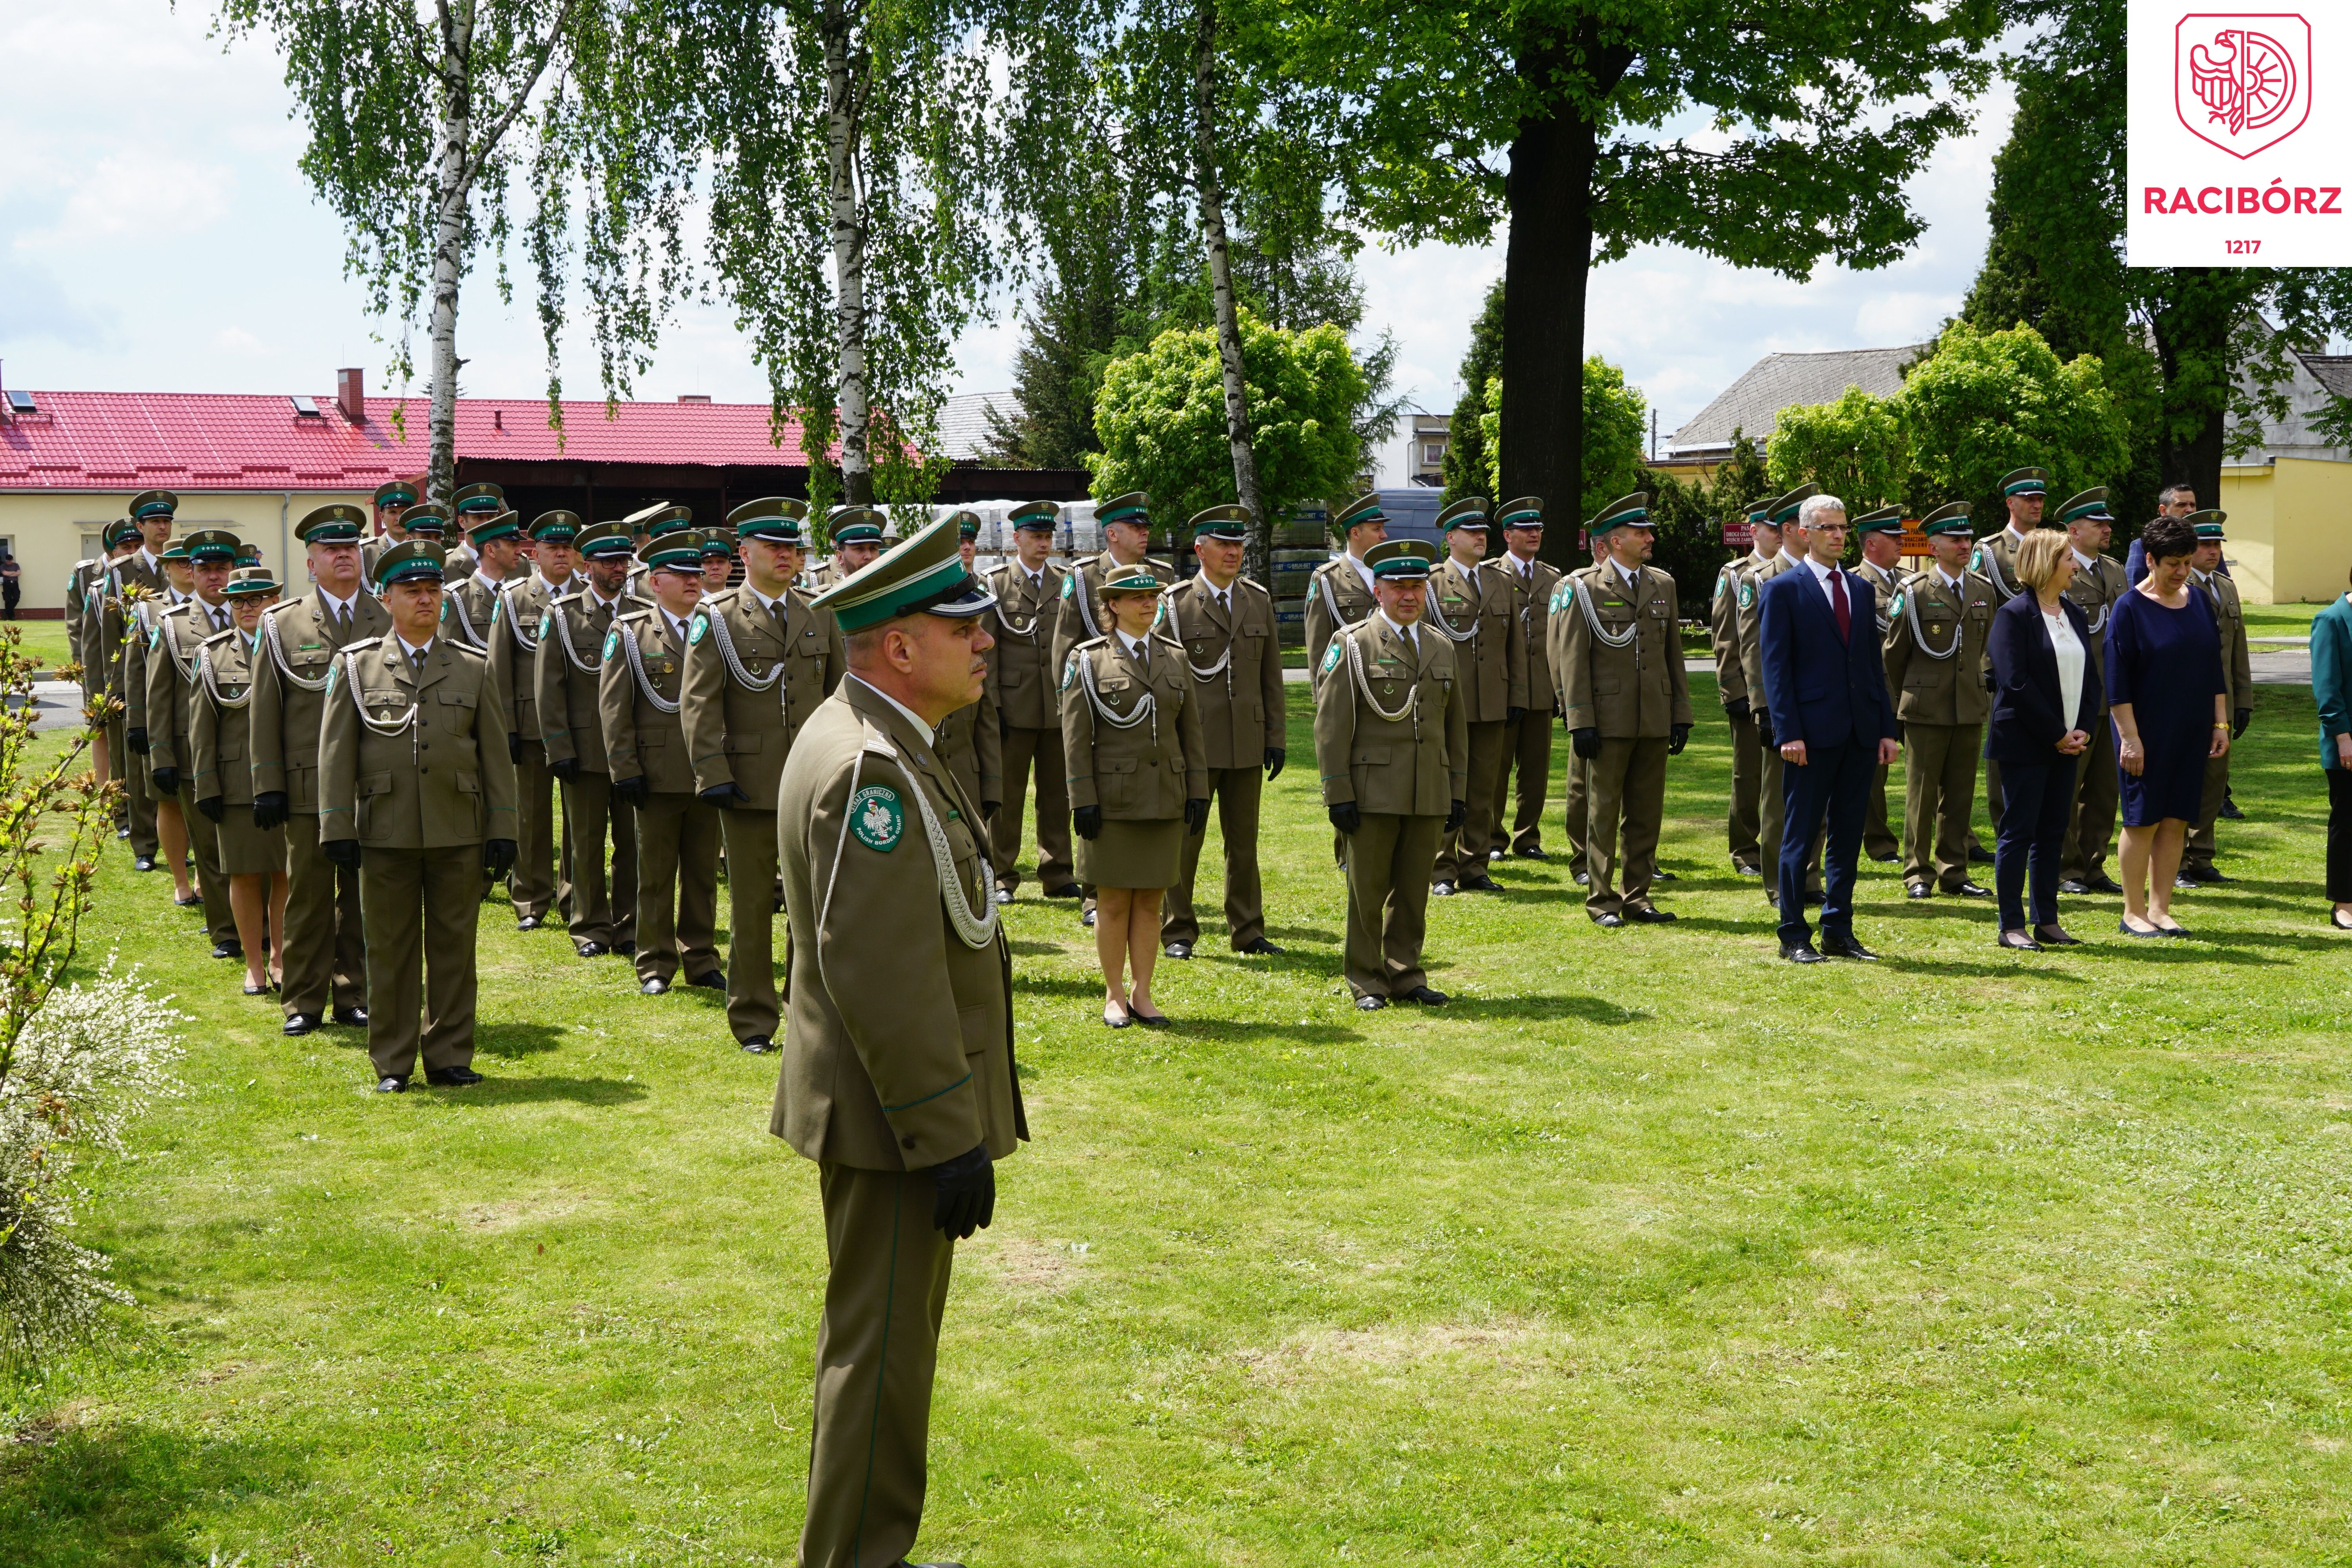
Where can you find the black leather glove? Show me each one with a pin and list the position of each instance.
(1677, 740)
(269, 809)
(498, 857)
(568, 770)
(343, 852)
(1196, 815)
(1347, 816)
(1086, 821)
(1585, 742)
(211, 807)
(514, 747)
(1990, 684)
(1764, 730)
(1736, 707)
(1274, 757)
(989, 808)
(138, 738)
(1513, 715)
(1453, 818)
(966, 1199)
(1003, 727)
(634, 790)
(729, 793)
(167, 782)
(2239, 719)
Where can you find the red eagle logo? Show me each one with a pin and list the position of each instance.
(2242, 82)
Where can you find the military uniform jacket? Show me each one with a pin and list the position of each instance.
(299, 640)
(1390, 732)
(972, 746)
(466, 609)
(1931, 684)
(112, 613)
(427, 766)
(1022, 675)
(79, 583)
(1885, 583)
(1473, 608)
(143, 617)
(1636, 691)
(2237, 660)
(1337, 596)
(171, 647)
(739, 734)
(2095, 590)
(1995, 559)
(898, 1040)
(1531, 594)
(645, 736)
(518, 617)
(568, 676)
(220, 728)
(1236, 662)
(371, 552)
(1137, 770)
(1750, 604)
(1723, 632)
(1083, 618)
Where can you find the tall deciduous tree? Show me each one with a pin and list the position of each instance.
(1856, 448)
(1613, 422)
(1568, 119)
(1985, 404)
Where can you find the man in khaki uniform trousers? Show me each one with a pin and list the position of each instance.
(171, 832)
(1881, 566)
(566, 676)
(325, 950)
(1772, 798)
(2025, 491)
(638, 695)
(1935, 665)
(391, 499)
(1744, 818)
(1339, 593)
(141, 570)
(417, 790)
(1393, 745)
(171, 647)
(542, 871)
(854, 535)
(2238, 684)
(1474, 609)
(1616, 637)
(1023, 680)
(1225, 622)
(759, 661)
(2098, 583)
(85, 595)
(1526, 740)
(897, 1075)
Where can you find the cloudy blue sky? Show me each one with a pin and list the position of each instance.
(155, 235)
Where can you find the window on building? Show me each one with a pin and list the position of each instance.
(1433, 451)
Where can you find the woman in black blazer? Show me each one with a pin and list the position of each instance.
(2046, 676)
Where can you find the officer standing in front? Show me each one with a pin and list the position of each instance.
(1225, 622)
(416, 791)
(2237, 684)
(1526, 740)
(1616, 634)
(759, 661)
(1881, 566)
(543, 872)
(897, 1075)
(1472, 609)
(1393, 749)
(1022, 682)
(2097, 584)
(1934, 646)
(326, 957)
(171, 647)
(604, 915)
(1745, 818)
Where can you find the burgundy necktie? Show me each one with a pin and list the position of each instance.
(1837, 600)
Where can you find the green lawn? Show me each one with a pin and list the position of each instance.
(1650, 1250)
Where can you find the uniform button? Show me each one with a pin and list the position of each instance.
(906, 1142)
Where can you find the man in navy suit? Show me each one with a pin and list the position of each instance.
(1826, 689)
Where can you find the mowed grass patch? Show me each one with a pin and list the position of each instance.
(1649, 1250)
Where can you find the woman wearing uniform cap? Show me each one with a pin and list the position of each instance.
(221, 739)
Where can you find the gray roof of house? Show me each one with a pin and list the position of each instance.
(963, 422)
(1752, 404)
(2333, 371)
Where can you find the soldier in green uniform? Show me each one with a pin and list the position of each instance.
(171, 651)
(1022, 681)
(171, 832)
(566, 675)
(638, 693)
(425, 521)
(416, 790)
(470, 601)
(1526, 740)
(1771, 802)
(970, 741)
(2025, 491)
(1393, 746)
(897, 1075)
(542, 871)
(469, 505)
(391, 499)
(759, 661)
(2237, 684)
(2098, 581)
(854, 535)
(1743, 819)
(718, 559)
(1881, 566)
(1472, 609)
(324, 965)
(1224, 622)
(84, 594)
(1339, 593)
(138, 574)
(252, 852)
(1616, 640)
(1934, 664)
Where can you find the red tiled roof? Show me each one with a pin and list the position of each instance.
(202, 441)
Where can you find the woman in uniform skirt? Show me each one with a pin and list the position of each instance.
(254, 858)
(1138, 781)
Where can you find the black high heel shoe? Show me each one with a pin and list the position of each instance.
(2018, 941)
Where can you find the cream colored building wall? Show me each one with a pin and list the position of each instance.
(2290, 529)
(49, 531)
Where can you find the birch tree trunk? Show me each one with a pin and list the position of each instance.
(453, 186)
(1260, 562)
(843, 101)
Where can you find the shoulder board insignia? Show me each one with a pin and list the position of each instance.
(875, 817)
(696, 627)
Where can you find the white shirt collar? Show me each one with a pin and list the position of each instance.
(1821, 573)
(340, 608)
(153, 562)
(1412, 634)
(1134, 646)
(1358, 562)
(765, 603)
(1948, 580)
(2084, 561)
(554, 587)
(677, 626)
(492, 583)
(1619, 567)
(1224, 594)
(413, 650)
(1794, 558)
(904, 711)
(603, 603)
(2201, 577)
(2011, 527)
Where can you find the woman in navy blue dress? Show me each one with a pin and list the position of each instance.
(2164, 692)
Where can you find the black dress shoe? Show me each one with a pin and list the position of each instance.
(591, 948)
(144, 863)
(2076, 887)
(298, 1024)
(228, 949)
(2182, 882)
(1088, 919)
(1441, 890)
(1178, 950)
(1609, 919)
(1980, 856)
(1800, 953)
(1370, 1003)
(1889, 859)
(1660, 874)
(1971, 890)
(1531, 854)
(714, 981)
(1846, 947)
(1066, 891)
(2230, 812)
(351, 1018)
(1649, 915)
(1745, 868)
(392, 1086)
(1476, 882)
(2209, 874)
(452, 1077)
(902, 1563)
(2102, 883)
(1424, 996)
(653, 988)
(528, 922)
(759, 1044)
(1259, 946)
(1918, 890)
(1584, 879)
(626, 947)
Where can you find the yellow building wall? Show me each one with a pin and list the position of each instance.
(2289, 529)
(49, 531)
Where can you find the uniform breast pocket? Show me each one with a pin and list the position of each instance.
(457, 711)
(373, 789)
(1370, 757)
(1115, 781)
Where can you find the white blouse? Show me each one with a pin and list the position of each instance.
(2070, 655)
